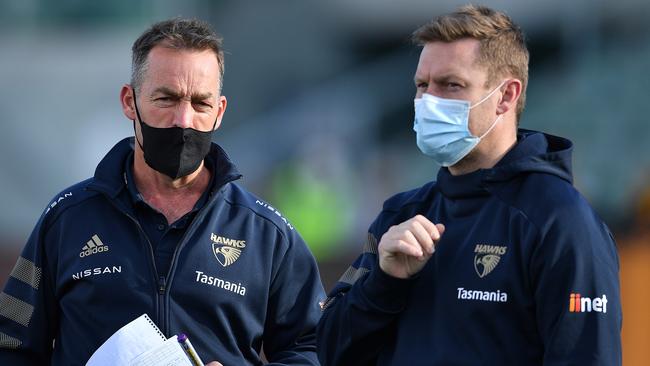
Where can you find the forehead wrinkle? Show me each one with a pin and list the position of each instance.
(178, 94)
(167, 91)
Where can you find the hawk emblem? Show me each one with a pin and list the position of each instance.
(225, 255)
(485, 263)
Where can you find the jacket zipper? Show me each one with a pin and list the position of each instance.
(161, 285)
(158, 280)
(164, 283)
(188, 233)
(161, 282)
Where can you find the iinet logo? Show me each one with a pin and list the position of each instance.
(579, 304)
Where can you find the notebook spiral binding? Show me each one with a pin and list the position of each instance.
(155, 327)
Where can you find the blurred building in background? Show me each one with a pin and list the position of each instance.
(320, 110)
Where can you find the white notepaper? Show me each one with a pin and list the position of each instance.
(168, 353)
(140, 343)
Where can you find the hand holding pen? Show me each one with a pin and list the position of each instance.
(191, 352)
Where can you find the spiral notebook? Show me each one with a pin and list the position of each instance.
(140, 343)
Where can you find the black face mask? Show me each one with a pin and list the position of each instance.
(174, 151)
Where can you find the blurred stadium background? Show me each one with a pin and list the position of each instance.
(320, 110)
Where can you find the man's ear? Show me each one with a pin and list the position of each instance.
(126, 99)
(222, 102)
(511, 93)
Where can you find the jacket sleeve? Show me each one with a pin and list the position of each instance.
(576, 288)
(293, 311)
(360, 313)
(27, 308)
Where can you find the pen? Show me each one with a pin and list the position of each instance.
(189, 349)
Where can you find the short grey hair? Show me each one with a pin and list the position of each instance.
(176, 33)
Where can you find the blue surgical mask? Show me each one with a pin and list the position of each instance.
(442, 127)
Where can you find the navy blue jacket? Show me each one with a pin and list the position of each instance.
(240, 277)
(524, 274)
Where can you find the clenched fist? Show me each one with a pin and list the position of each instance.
(405, 248)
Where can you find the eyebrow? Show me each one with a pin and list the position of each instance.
(175, 94)
(440, 78)
(417, 79)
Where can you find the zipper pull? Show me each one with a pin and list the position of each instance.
(162, 285)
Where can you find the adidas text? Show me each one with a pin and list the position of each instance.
(93, 246)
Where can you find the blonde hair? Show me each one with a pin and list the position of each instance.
(502, 44)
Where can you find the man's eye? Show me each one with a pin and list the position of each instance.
(164, 101)
(422, 85)
(202, 105)
(453, 86)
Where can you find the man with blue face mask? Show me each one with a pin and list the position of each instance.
(499, 261)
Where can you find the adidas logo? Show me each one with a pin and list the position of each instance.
(93, 246)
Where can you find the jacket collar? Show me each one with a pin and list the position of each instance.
(110, 177)
(535, 152)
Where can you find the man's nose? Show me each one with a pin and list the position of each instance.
(184, 114)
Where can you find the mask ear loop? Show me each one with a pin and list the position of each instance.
(483, 100)
(491, 127)
(135, 133)
(487, 96)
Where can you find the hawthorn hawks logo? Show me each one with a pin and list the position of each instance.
(487, 257)
(226, 250)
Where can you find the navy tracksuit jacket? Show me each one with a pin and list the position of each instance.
(240, 277)
(524, 274)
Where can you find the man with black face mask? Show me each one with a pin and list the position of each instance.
(163, 229)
